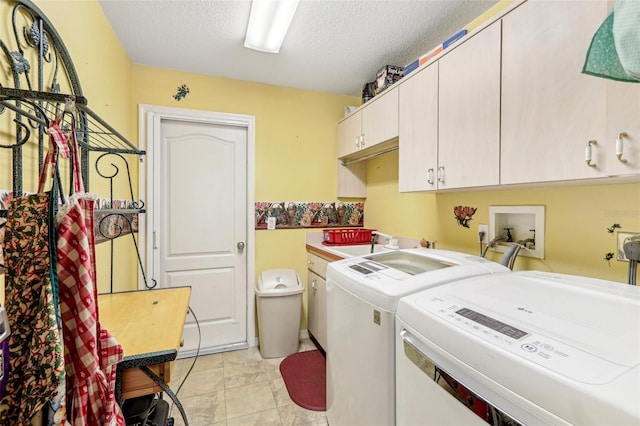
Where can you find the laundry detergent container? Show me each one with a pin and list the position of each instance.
(279, 299)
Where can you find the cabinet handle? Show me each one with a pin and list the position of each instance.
(620, 147)
(430, 176)
(362, 140)
(357, 141)
(310, 262)
(587, 153)
(313, 285)
(441, 174)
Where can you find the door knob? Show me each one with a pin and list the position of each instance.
(240, 245)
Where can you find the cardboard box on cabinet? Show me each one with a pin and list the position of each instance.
(386, 76)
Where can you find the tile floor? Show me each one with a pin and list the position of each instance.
(238, 388)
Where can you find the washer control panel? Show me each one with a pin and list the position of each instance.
(523, 341)
(369, 270)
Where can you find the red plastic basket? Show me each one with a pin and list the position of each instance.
(345, 236)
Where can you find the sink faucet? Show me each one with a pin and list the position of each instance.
(391, 243)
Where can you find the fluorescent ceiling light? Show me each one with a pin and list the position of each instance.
(268, 24)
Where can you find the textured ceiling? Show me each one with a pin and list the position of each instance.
(332, 45)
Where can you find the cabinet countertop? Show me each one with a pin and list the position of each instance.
(323, 251)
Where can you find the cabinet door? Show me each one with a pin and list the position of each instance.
(550, 110)
(321, 298)
(469, 113)
(380, 119)
(349, 133)
(418, 131)
(317, 308)
(352, 180)
(623, 116)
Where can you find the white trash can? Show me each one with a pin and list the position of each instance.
(279, 299)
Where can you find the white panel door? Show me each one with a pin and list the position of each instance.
(202, 226)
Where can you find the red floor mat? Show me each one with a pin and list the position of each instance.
(304, 375)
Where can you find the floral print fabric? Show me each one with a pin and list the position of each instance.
(35, 347)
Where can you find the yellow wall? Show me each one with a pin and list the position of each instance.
(577, 218)
(295, 144)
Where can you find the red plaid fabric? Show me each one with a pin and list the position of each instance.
(91, 355)
(58, 136)
(58, 144)
(77, 176)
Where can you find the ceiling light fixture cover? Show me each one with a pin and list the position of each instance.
(268, 24)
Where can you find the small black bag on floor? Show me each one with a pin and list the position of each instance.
(146, 410)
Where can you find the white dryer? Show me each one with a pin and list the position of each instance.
(529, 348)
(362, 295)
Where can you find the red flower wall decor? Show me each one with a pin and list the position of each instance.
(464, 215)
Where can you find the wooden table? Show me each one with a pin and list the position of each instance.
(148, 325)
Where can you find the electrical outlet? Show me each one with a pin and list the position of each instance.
(485, 237)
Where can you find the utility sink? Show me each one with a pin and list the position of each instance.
(409, 263)
(357, 250)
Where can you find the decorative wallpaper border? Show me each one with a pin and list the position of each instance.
(309, 214)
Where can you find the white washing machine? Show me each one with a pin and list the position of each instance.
(362, 295)
(527, 348)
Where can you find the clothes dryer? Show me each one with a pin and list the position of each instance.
(530, 348)
(362, 295)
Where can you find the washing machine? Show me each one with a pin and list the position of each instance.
(362, 295)
(529, 348)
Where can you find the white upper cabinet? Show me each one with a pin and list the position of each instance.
(469, 112)
(550, 110)
(509, 104)
(372, 128)
(349, 134)
(418, 131)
